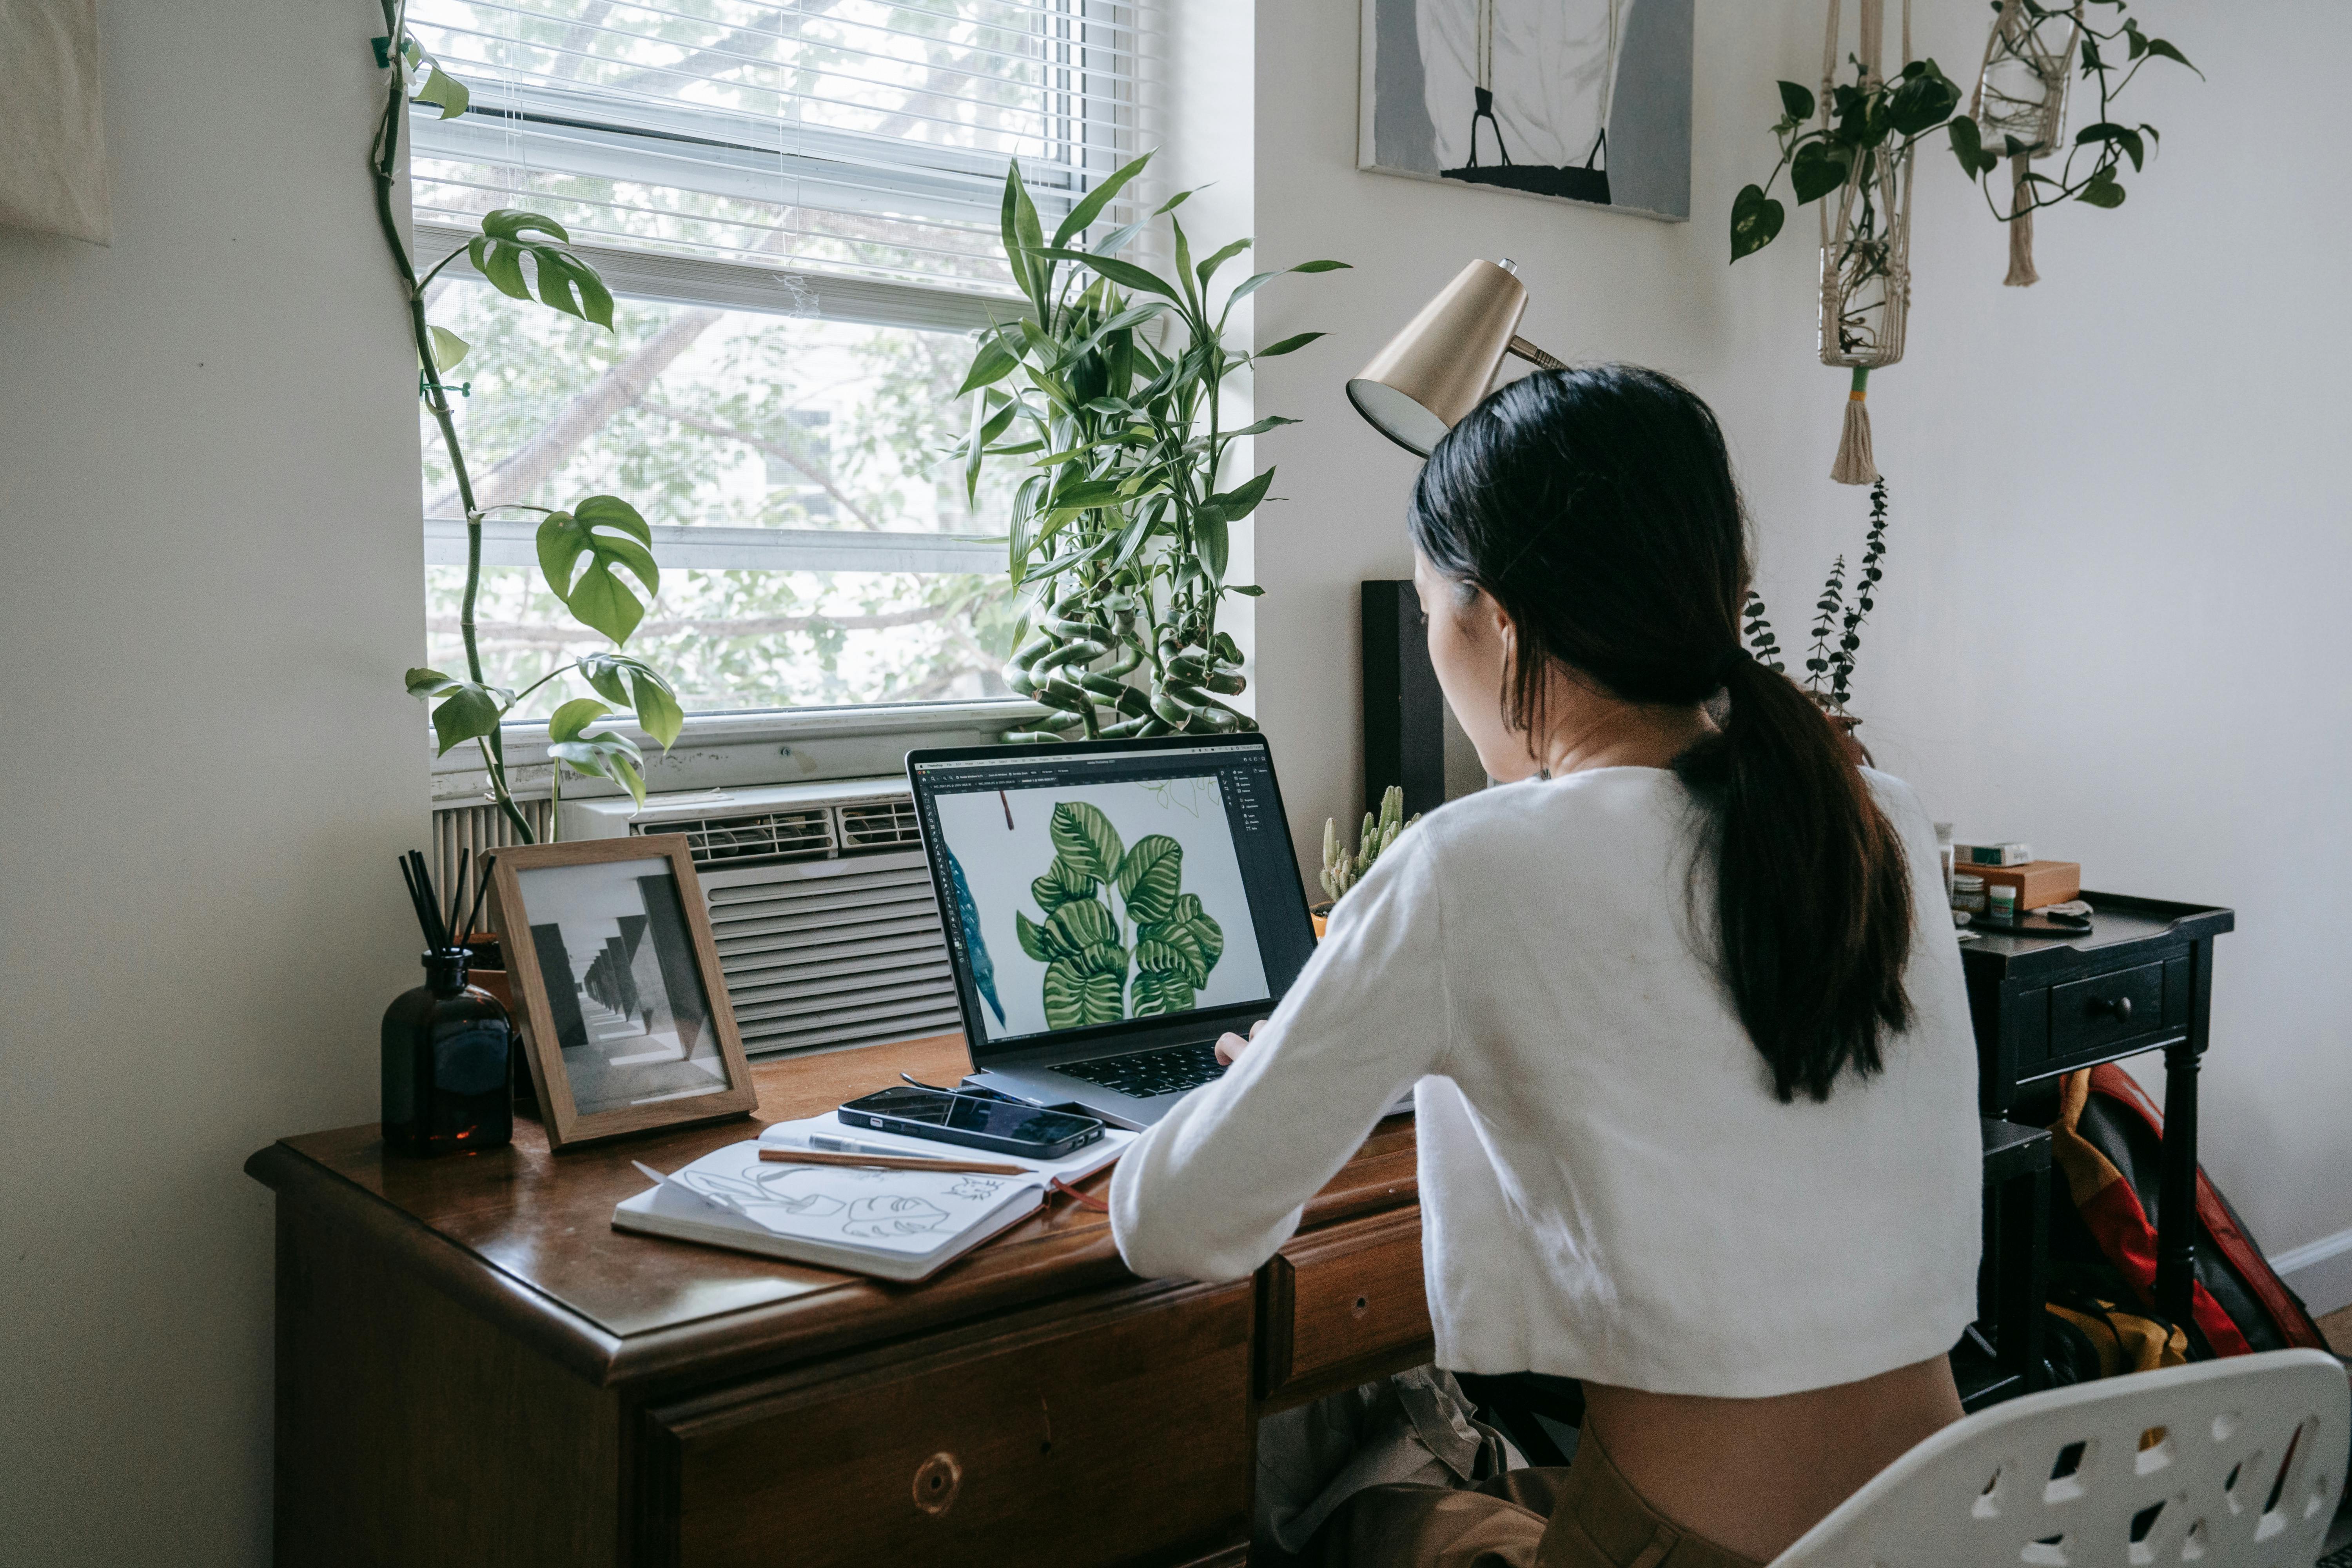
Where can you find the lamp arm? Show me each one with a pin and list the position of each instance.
(1533, 355)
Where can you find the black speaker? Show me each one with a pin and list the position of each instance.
(1404, 712)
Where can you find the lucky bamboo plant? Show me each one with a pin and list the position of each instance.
(582, 550)
(1110, 393)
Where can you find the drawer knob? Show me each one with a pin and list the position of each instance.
(2119, 1005)
(936, 1484)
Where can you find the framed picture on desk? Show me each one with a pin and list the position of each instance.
(624, 1013)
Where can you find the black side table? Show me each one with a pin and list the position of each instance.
(2140, 980)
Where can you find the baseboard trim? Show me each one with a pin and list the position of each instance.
(2320, 1273)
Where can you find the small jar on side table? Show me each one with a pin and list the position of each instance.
(447, 1050)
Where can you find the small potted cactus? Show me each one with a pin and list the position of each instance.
(1342, 870)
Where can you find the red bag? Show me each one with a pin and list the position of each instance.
(2108, 1144)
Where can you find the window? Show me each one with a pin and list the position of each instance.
(797, 205)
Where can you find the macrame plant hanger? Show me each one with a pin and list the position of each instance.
(1865, 250)
(2020, 103)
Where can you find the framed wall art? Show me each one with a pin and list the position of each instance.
(1578, 100)
(624, 1013)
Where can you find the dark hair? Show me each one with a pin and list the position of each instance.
(1597, 508)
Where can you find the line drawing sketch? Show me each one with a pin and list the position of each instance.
(829, 1201)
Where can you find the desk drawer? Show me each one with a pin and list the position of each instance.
(1094, 1437)
(1340, 1305)
(2091, 1016)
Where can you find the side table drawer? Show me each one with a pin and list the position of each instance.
(1340, 1305)
(1095, 1437)
(2087, 1016)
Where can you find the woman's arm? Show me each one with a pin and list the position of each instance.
(1217, 1186)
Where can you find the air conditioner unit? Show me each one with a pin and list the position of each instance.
(820, 901)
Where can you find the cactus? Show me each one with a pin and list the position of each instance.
(1342, 870)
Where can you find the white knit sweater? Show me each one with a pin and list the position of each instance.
(1608, 1189)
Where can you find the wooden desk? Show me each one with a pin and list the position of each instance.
(473, 1366)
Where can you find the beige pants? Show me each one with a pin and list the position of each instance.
(1584, 1516)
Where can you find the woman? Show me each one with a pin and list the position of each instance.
(1693, 1071)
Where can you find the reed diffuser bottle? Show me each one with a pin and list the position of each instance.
(447, 1046)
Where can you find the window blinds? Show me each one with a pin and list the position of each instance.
(854, 138)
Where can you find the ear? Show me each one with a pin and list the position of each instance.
(1486, 613)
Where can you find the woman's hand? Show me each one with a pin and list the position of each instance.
(1230, 1047)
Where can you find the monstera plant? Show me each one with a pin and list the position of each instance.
(1103, 903)
(588, 551)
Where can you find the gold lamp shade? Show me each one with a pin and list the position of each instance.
(1442, 364)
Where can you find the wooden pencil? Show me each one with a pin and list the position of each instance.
(890, 1161)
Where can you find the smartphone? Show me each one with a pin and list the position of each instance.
(976, 1123)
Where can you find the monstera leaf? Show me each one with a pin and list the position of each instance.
(1149, 878)
(611, 534)
(1085, 838)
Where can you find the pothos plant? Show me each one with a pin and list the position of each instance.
(1110, 392)
(1871, 120)
(1838, 618)
(583, 551)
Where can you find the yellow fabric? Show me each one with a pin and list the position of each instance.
(2127, 1342)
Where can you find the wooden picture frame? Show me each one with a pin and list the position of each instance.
(655, 978)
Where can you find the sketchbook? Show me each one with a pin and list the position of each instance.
(1076, 1165)
(892, 1225)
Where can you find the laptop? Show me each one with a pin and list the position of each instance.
(1111, 907)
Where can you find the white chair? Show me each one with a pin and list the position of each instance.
(2231, 1464)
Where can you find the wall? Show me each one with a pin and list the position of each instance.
(207, 494)
(2119, 526)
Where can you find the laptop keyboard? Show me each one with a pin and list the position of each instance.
(1172, 1069)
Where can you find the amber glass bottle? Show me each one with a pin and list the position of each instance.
(447, 1047)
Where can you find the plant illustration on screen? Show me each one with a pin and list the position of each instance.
(1086, 945)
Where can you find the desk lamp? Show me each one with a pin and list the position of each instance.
(1436, 370)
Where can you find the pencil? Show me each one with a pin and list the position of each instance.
(890, 1161)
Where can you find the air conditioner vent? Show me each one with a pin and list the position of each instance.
(832, 952)
(767, 837)
(879, 824)
(819, 905)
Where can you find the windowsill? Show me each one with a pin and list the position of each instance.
(768, 745)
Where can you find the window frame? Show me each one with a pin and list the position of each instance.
(719, 749)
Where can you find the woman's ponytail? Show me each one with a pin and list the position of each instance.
(1813, 896)
(1597, 508)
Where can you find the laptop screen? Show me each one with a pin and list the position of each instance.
(1086, 887)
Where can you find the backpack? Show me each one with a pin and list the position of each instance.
(2107, 1144)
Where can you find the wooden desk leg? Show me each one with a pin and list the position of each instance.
(2176, 1219)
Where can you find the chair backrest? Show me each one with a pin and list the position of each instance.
(2225, 1463)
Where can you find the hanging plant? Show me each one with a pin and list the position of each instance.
(2020, 109)
(2017, 112)
(1855, 158)
(1858, 146)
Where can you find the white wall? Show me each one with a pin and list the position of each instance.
(2119, 542)
(208, 590)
